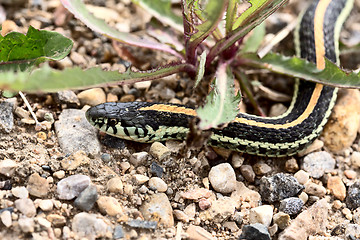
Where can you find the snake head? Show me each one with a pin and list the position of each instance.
(121, 120)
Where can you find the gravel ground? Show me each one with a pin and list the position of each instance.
(67, 181)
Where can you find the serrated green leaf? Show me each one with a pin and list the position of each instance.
(201, 69)
(211, 16)
(253, 43)
(78, 8)
(332, 75)
(19, 51)
(255, 15)
(161, 9)
(221, 106)
(46, 79)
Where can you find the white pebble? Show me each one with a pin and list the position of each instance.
(222, 178)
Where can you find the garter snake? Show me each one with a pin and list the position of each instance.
(316, 36)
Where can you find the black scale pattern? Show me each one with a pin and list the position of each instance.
(128, 115)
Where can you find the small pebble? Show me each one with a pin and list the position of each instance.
(140, 179)
(59, 174)
(243, 193)
(315, 189)
(6, 219)
(347, 213)
(89, 226)
(75, 160)
(181, 216)
(262, 214)
(336, 187)
(304, 197)
(74, 133)
(159, 151)
(291, 205)
(204, 203)
(311, 221)
(38, 186)
(115, 185)
(350, 174)
(7, 167)
(352, 231)
(125, 166)
(137, 223)
(20, 192)
(43, 222)
(70, 187)
(190, 210)
(156, 169)
(109, 206)
(247, 172)
(26, 225)
(355, 159)
(302, 176)
(317, 163)
(46, 205)
(222, 178)
(220, 210)
(261, 169)
(255, 231)
(353, 196)
(92, 96)
(198, 233)
(87, 198)
(105, 157)
(158, 208)
(158, 184)
(6, 117)
(67, 97)
(337, 204)
(315, 146)
(343, 124)
(56, 220)
(278, 187)
(118, 232)
(236, 160)
(26, 206)
(139, 158)
(282, 220)
(291, 165)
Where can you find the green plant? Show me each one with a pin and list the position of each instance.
(213, 33)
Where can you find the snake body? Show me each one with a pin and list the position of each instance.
(316, 37)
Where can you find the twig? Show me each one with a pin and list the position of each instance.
(29, 107)
(277, 38)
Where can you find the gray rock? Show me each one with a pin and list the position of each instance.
(70, 187)
(136, 223)
(67, 97)
(317, 163)
(291, 205)
(75, 133)
(6, 116)
(278, 187)
(156, 169)
(89, 226)
(255, 231)
(352, 231)
(353, 196)
(87, 198)
(118, 232)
